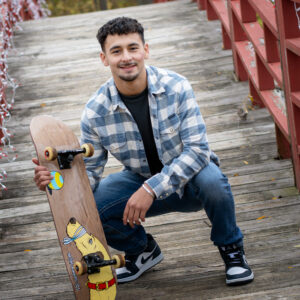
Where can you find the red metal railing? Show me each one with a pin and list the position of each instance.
(264, 36)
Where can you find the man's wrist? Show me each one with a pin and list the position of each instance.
(148, 190)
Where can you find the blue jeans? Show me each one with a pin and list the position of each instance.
(209, 189)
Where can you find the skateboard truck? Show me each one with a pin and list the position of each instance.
(65, 157)
(92, 263)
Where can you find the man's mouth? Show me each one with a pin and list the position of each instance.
(127, 66)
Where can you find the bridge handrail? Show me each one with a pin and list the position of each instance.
(264, 36)
(11, 14)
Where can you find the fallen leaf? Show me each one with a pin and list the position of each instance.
(43, 104)
(235, 175)
(297, 246)
(245, 162)
(272, 179)
(27, 250)
(260, 218)
(206, 223)
(290, 267)
(274, 198)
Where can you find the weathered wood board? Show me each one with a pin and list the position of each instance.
(58, 67)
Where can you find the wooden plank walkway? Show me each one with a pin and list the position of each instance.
(58, 67)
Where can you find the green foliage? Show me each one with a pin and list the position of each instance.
(70, 7)
(259, 20)
(111, 4)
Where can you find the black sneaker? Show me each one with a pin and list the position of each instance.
(237, 268)
(136, 265)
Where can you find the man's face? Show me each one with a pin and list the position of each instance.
(125, 55)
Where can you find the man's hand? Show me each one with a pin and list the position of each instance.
(42, 176)
(137, 207)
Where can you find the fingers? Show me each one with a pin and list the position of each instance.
(143, 215)
(42, 176)
(36, 161)
(131, 216)
(125, 214)
(136, 217)
(137, 207)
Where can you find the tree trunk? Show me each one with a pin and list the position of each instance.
(100, 4)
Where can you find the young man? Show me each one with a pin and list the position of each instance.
(149, 120)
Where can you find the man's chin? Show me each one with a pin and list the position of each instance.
(129, 77)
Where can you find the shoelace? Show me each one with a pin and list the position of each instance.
(233, 255)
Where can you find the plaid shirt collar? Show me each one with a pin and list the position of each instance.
(154, 88)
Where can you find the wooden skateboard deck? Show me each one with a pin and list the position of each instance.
(74, 210)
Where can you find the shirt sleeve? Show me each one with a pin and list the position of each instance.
(95, 164)
(195, 154)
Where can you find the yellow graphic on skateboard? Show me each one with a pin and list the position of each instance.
(102, 285)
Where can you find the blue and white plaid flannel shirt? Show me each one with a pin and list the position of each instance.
(178, 128)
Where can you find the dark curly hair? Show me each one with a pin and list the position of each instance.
(120, 25)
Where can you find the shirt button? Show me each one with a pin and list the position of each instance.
(171, 129)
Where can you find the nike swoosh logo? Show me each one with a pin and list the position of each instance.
(144, 260)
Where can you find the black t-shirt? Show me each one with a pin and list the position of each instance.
(139, 109)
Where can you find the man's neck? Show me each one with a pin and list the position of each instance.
(130, 88)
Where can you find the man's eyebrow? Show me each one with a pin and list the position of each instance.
(118, 46)
(114, 47)
(133, 44)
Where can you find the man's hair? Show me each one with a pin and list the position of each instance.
(121, 25)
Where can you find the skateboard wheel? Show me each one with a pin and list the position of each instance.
(89, 150)
(50, 153)
(120, 261)
(80, 268)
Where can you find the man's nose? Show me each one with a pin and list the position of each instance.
(126, 56)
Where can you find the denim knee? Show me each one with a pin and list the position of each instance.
(211, 182)
(113, 192)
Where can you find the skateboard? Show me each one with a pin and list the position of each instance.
(79, 229)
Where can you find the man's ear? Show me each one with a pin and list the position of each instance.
(104, 59)
(146, 48)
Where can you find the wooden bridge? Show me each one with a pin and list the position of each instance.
(57, 64)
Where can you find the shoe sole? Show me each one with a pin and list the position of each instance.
(239, 281)
(155, 261)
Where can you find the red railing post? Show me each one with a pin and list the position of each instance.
(211, 14)
(226, 39)
(237, 35)
(201, 4)
(288, 18)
